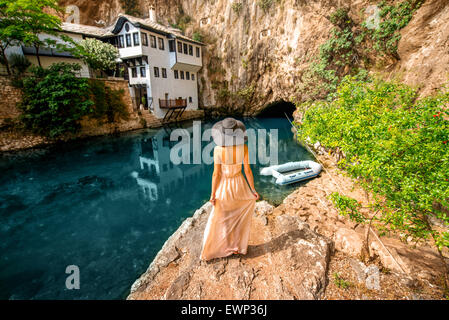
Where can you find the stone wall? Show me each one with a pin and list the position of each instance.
(12, 139)
(9, 98)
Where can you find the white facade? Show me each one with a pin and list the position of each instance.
(50, 56)
(157, 69)
(162, 63)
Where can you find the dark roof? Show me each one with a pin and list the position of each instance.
(85, 30)
(46, 52)
(151, 26)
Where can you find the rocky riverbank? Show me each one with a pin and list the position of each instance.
(14, 138)
(301, 249)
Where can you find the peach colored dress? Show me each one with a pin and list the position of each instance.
(229, 223)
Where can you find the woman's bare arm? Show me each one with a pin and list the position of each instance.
(216, 176)
(249, 173)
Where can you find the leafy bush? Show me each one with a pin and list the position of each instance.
(348, 50)
(108, 102)
(131, 7)
(197, 36)
(265, 4)
(337, 57)
(98, 54)
(340, 282)
(393, 18)
(237, 7)
(54, 99)
(396, 145)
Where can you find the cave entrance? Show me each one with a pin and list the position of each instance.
(278, 109)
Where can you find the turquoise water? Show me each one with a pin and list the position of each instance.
(100, 204)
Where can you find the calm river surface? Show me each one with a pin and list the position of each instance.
(106, 205)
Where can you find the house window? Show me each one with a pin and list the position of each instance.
(187, 75)
(144, 39)
(126, 27)
(171, 45)
(197, 52)
(193, 76)
(185, 48)
(128, 40)
(145, 59)
(136, 38)
(179, 47)
(176, 74)
(134, 72)
(121, 41)
(190, 99)
(153, 41)
(143, 72)
(156, 72)
(161, 43)
(182, 75)
(191, 50)
(164, 73)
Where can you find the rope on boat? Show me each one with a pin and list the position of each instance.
(340, 190)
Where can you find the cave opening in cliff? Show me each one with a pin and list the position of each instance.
(278, 109)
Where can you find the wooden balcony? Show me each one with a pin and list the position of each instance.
(176, 108)
(172, 103)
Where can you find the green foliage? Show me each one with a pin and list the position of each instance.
(340, 282)
(246, 93)
(23, 20)
(237, 7)
(18, 66)
(223, 94)
(98, 54)
(182, 20)
(337, 57)
(348, 207)
(130, 7)
(266, 4)
(108, 102)
(396, 145)
(197, 36)
(32, 19)
(54, 99)
(346, 52)
(393, 19)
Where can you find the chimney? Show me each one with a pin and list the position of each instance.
(153, 14)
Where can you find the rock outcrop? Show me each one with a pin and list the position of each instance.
(285, 260)
(290, 250)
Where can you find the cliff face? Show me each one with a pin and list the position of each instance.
(256, 53)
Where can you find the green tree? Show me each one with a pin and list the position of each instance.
(10, 33)
(395, 145)
(25, 20)
(55, 99)
(97, 54)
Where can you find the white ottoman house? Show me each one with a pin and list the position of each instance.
(162, 64)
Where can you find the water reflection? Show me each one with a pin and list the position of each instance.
(106, 205)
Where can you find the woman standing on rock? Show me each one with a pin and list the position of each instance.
(228, 226)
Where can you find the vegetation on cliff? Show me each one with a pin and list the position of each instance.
(396, 145)
(349, 50)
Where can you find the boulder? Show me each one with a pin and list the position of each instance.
(285, 260)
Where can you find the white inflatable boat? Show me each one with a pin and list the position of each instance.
(291, 172)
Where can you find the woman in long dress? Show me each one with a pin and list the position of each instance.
(227, 229)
